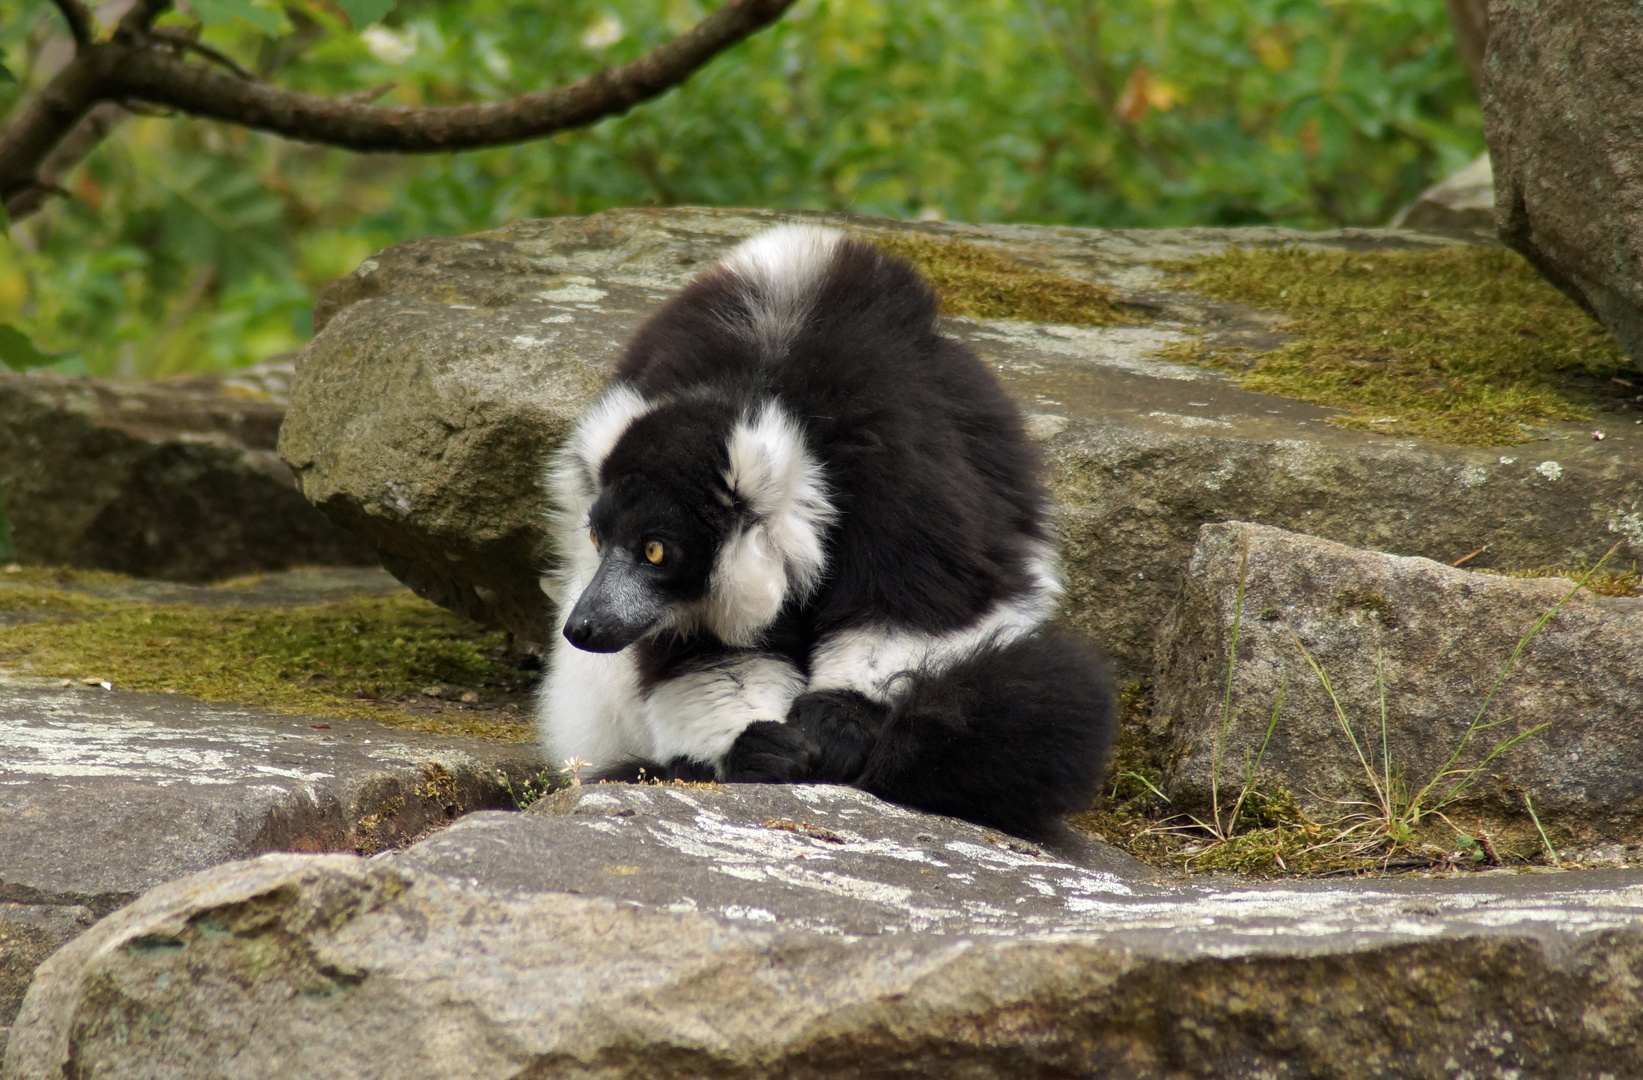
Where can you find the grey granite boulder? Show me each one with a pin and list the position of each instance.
(172, 479)
(1564, 119)
(1441, 636)
(449, 367)
(810, 932)
(105, 794)
(1464, 202)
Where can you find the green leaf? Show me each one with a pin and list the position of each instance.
(19, 352)
(223, 12)
(5, 73)
(363, 13)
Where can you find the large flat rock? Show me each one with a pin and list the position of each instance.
(174, 479)
(449, 367)
(105, 794)
(791, 932)
(1437, 639)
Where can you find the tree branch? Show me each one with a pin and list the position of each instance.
(1470, 19)
(82, 25)
(140, 65)
(92, 129)
(164, 79)
(134, 25)
(42, 122)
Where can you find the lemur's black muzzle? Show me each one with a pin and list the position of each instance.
(617, 608)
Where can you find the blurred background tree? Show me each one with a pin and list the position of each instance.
(183, 245)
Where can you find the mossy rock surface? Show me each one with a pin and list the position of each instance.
(448, 368)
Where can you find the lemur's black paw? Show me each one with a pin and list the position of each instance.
(771, 752)
(845, 725)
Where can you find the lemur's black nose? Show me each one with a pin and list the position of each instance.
(579, 632)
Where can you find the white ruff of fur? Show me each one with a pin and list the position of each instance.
(780, 270)
(874, 660)
(589, 706)
(573, 480)
(777, 554)
(698, 714)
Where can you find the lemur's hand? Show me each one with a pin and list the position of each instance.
(772, 752)
(845, 725)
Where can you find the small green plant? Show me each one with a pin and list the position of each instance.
(1219, 827)
(533, 790)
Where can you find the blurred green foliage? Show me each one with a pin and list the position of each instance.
(190, 246)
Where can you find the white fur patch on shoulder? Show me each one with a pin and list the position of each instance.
(780, 270)
(573, 480)
(873, 660)
(699, 713)
(779, 551)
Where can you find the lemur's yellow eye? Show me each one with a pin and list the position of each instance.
(595, 538)
(654, 551)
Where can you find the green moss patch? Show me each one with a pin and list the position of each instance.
(366, 658)
(1605, 583)
(1465, 344)
(980, 284)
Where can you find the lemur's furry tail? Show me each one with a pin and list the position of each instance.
(1014, 737)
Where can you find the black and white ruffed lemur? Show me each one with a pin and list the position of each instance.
(803, 539)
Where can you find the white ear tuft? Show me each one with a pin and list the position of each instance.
(779, 551)
(573, 480)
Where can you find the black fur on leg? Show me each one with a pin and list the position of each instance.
(637, 770)
(772, 752)
(1014, 737)
(845, 725)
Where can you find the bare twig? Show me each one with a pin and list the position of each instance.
(1469, 556)
(187, 41)
(82, 25)
(135, 24)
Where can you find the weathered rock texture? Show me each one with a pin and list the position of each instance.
(705, 941)
(1563, 111)
(1464, 202)
(1442, 636)
(449, 367)
(172, 480)
(107, 794)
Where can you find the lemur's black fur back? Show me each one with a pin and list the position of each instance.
(800, 391)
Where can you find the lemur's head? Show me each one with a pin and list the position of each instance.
(701, 516)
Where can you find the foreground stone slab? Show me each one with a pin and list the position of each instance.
(172, 479)
(726, 944)
(1442, 637)
(1562, 116)
(449, 367)
(105, 794)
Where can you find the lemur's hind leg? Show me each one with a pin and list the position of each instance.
(1013, 737)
